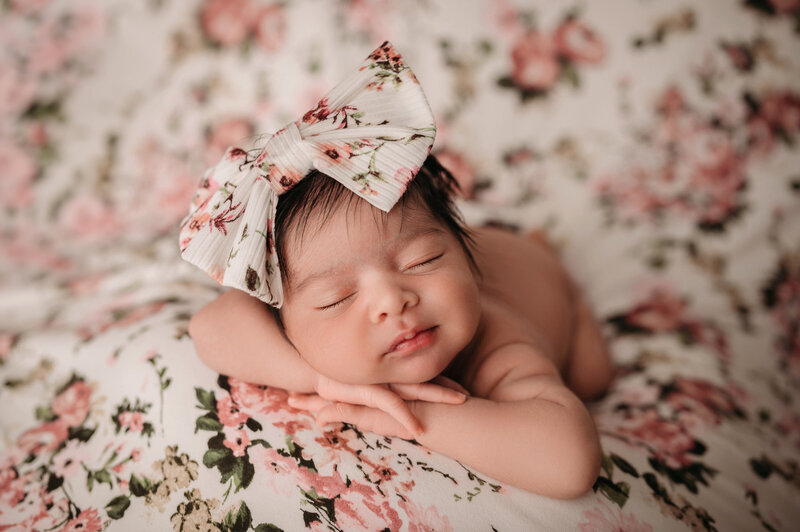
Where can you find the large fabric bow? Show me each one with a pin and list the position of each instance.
(371, 133)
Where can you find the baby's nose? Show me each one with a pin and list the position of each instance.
(389, 297)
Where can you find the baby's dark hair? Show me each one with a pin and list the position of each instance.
(434, 187)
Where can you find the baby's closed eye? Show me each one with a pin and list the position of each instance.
(427, 262)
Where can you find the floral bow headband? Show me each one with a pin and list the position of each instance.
(371, 133)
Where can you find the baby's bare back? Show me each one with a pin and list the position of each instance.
(526, 292)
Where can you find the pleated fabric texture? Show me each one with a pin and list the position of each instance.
(372, 133)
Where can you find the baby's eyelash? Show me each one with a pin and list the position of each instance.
(334, 305)
(429, 261)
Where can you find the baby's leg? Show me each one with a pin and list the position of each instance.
(589, 369)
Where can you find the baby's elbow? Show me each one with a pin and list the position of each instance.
(587, 460)
(197, 332)
(584, 456)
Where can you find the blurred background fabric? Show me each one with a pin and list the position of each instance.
(656, 143)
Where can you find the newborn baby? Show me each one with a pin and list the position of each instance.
(474, 342)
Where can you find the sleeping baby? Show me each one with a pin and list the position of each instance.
(358, 288)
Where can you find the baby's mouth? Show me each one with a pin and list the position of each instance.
(410, 341)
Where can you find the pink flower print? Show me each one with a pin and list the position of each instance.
(228, 412)
(19, 169)
(461, 169)
(578, 43)
(760, 138)
(667, 438)
(271, 27)
(424, 519)
(136, 455)
(333, 155)
(293, 426)
(227, 22)
(357, 509)
(701, 399)
(671, 101)
(284, 177)
(89, 218)
(535, 66)
(405, 175)
(6, 342)
(781, 110)
(17, 90)
(236, 440)
(68, 460)
(784, 6)
(131, 421)
(662, 311)
(604, 518)
(318, 114)
(225, 134)
(205, 191)
(72, 405)
(386, 54)
(87, 521)
(246, 395)
(44, 438)
(192, 226)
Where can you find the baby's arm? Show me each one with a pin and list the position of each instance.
(523, 426)
(237, 335)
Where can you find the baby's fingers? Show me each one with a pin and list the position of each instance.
(312, 402)
(376, 396)
(365, 418)
(430, 392)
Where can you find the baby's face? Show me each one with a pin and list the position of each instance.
(357, 287)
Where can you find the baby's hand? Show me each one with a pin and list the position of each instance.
(381, 408)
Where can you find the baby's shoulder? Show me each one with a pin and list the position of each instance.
(489, 359)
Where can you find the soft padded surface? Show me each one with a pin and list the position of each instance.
(656, 144)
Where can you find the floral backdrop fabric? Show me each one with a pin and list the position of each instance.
(655, 142)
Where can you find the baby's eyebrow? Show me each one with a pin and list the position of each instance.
(400, 239)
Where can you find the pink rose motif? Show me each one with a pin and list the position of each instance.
(131, 421)
(86, 521)
(578, 43)
(357, 509)
(17, 90)
(462, 171)
(271, 27)
(424, 519)
(333, 155)
(246, 395)
(405, 175)
(667, 438)
(236, 440)
(68, 460)
(701, 400)
(603, 518)
(662, 311)
(89, 218)
(227, 22)
(227, 133)
(535, 65)
(44, 438)
(6, 343)
(228, 412)
(784, 6)
(19, 169)
(72, 405)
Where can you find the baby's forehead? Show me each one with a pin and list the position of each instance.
(359, 216)
(323, 237)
